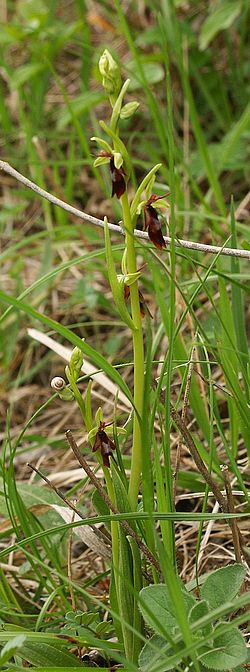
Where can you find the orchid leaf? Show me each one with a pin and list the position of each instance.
(136, 200)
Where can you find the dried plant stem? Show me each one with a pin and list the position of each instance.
(208, 478)
(231, 509)
(207, 249)
(127, 529)
(71, 506)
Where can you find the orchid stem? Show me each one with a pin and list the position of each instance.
(136, 459)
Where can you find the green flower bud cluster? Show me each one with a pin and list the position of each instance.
(75, 364)
(111, 77)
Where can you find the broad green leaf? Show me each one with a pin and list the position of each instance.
(153, 653)
(221, 18)
(153, 72)
(32, 495)
(157, 608)
(223, 585)
(229, 650)
(199, 610)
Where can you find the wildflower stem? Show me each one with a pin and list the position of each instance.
(136, 458)
(80, 401)
(114, 528)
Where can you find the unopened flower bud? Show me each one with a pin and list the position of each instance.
(76, 362)
(129, 109)
(111, 78)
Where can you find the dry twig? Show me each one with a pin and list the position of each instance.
(200, 247)
(128, 530)
(102, 540)
(183, 415)
(230, 505)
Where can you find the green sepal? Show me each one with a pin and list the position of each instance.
(161, 204)
(116, 286)
(109, 429)
(137, 198)
(118, 146)
(120, 430)
(100, 161)
(102, 143)
(92, 433)
(129, 279)
(118, 160)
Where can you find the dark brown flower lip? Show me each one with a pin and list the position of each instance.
(117, 175)
(104, 444)
(118, 181)
(153, 225)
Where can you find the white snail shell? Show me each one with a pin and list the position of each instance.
(57, 383)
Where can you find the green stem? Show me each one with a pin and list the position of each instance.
(136, 459)
(79, 399)
(114, 529)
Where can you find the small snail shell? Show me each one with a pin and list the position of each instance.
(57, 383)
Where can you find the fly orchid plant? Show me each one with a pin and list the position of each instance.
(126, 580)
(125, 286)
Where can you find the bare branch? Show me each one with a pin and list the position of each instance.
(100, 545)
(231, 509)
(128, 530)
(207, 249)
